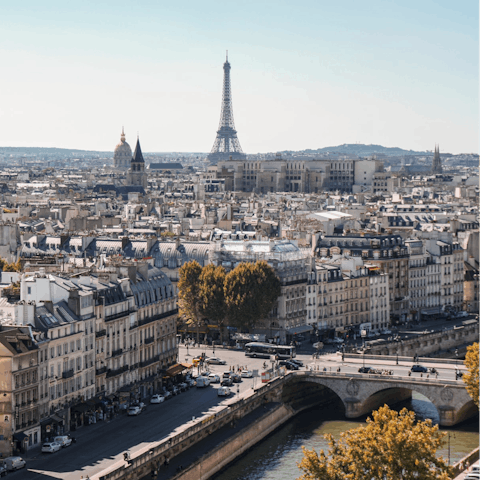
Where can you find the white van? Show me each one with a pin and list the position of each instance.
(63, 440)
(203, 382)
(14, 463)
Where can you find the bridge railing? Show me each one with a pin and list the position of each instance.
(405, 359)
(406, 378)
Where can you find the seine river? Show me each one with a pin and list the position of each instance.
(276, 457)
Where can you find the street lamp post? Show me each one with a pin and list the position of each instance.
(187, 349)
(213, 351)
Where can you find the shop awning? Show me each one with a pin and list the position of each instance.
(56, 418)
(20, 436)
(81, 407)
(177, 368)
(300, 329)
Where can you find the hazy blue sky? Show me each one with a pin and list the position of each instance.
(305, 74)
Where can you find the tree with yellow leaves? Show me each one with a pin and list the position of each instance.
(471, 376)
(391, 446)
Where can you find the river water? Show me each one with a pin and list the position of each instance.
(276, 457)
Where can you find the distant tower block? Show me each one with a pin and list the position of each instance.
(226, 144)
(437, 162)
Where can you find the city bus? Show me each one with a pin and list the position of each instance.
(265, 350)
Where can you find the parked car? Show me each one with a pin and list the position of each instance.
(223, 392)
(288, 365)
(386, 332)
(214, 378)
(167, 394)
(215, 361)
(63, 440)
(51, 447)
(15, 463)
(296, 362)
(246, 374)
(203, 382)
(236, 378)
(183, 386)
(157, 399)
(141, 405)
(472, 476)
(134, 410)
(190, 382)
(175, 390)
(3, 469)
(364, 369)
(419, 368)
(227, 381)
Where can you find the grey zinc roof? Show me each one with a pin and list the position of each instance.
(156, 288)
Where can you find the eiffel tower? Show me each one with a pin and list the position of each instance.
(226, 143)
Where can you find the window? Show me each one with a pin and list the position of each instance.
(29, 290)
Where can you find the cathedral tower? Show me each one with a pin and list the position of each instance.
(136, 175)
(437, 162)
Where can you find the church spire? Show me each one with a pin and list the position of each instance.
(137, 154)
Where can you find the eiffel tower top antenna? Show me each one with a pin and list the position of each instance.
(226, 143)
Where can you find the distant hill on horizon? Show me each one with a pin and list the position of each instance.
(358, 149)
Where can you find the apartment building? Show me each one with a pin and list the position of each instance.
(449, 256)
(388, 252)
(20, 425)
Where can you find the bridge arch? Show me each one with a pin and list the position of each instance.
(301, 393)
(360, 394)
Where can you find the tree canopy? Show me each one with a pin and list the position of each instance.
(10, 267)
(211, 292)
(189, 301)
(241, 297)
(391, 446)
(471, 377)
(251, 290)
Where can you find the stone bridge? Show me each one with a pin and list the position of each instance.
(362, 393)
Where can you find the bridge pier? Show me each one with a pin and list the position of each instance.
(447, 416)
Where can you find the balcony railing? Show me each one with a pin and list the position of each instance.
(159, 316)
(145, 363)
(100, 371)
(114, 316)
(118, 371)
(101, 333)
(68, 373)
(117, 352)
(149, 340)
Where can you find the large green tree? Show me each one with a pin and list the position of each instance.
(391, 446)
(189, 299)
(212, 280)
(471, 377)
(251, 290)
